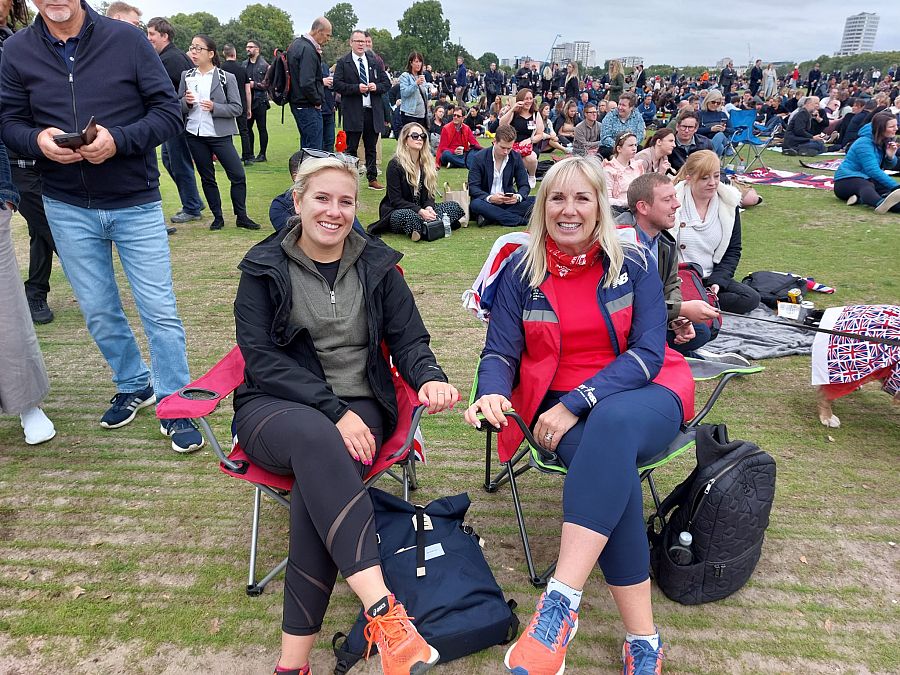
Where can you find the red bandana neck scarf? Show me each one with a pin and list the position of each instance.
(561, 264)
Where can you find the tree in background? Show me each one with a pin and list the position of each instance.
(188, 25)
(423, 28)
(343, 20)
(484, 63)
(270, 25)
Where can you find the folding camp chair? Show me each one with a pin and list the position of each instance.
(743, 140)
(548, 462)
(201, 397)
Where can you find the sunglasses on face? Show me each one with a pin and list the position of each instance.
(312, 153)
(457, 115)
(416, 136)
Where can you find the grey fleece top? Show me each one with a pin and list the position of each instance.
(335, 319)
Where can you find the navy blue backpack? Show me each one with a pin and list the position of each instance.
(434, 565)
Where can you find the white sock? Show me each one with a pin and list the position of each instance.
(38, 427)
(573, 595)
(652, 639)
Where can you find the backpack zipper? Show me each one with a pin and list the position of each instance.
(701, 496)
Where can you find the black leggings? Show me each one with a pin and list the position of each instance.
(332, 520)
(202, 150)
(735, 296)
(868, 191)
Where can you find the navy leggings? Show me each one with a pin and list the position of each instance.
(602, 491)
(332, 519)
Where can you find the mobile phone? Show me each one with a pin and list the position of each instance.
(509, 194)
(75, 140)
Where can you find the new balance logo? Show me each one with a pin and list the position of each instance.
(587, 393)
(623, 278)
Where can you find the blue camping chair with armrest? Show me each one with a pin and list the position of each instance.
(546, 461)
(743, 140)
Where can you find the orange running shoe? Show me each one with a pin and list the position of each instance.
(639, 658)
(541, 649)
(403, 651)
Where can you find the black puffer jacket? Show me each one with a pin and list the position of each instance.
(281, 359)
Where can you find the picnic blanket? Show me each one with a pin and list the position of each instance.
(841, 360)
(821, 154)
(833, 164)
(790, 179)
(759, 340)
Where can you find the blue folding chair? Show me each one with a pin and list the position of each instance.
(744, 140)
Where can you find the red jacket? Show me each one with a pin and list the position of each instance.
(524, 337)
(452, 139)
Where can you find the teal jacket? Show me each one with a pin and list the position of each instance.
(865, 159)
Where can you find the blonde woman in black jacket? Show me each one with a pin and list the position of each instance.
(210, 102)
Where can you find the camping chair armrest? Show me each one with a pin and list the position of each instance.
(546, 455)
(418, 411)
(201, 397)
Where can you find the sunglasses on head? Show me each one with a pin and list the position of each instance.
(312, 153)
(416, 136)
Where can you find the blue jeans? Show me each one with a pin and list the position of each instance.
(84, 239)
(328, 132)
(718, 142)
(309, 124)
(177, 159)
(456, 161)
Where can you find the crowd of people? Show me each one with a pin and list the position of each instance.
(642, 191)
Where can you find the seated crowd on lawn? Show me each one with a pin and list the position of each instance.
(644, 183)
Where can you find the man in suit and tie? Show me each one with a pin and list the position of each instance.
(361, 82)
(492, 173)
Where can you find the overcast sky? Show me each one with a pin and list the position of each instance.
(674, 32)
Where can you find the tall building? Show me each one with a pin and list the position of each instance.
(582, 52)
(631, 61)
(859, 34)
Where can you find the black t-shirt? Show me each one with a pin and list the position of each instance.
(329, 270)
(524, 127)
(239, 72)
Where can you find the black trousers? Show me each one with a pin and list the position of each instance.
(41, 245)
(868, 191)
(202, 150)
(244, 131)
(258, 114)
(735, 296)
(332, 519)
(370, 135)
(406, 119)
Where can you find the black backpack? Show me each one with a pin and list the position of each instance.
(773, 287)
(279, 78)
(724, 504)
(434, 565)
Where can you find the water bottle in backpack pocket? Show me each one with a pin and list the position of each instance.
(724, 507)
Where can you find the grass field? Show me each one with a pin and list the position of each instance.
(117, 555)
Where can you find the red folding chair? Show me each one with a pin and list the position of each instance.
(201, 397)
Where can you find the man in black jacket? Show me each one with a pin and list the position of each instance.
(304, 58)
(175, 154)
(756, 76)
(493, 83)
(231, 65)
(257, 68)
(361, 83)
(69, 67)
(687, 140)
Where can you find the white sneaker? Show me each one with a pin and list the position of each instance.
(725, 357)
(892, 199)
(532, 181)
(38, 427)
(852, 199)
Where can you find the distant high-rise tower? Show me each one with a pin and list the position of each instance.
(859, 34)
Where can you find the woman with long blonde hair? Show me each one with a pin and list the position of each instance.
(411, 187)
(616, 80)
(577, 344)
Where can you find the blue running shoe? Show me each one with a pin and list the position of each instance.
(639, 658)
(184, 434)
(125, 406)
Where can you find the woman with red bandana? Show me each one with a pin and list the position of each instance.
(583, 316)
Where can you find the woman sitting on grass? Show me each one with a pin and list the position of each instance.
(608, 399)
(708, 230)
(411, 185)
(564, 126)
(524, 118)
(547, 140)
(620, 170)
(861, 176)
(313, 305)
(654, 158)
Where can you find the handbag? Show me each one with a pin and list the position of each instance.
(433, 230)
(692, 288)
(461, 197)
(524, 149)
(433, 563)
